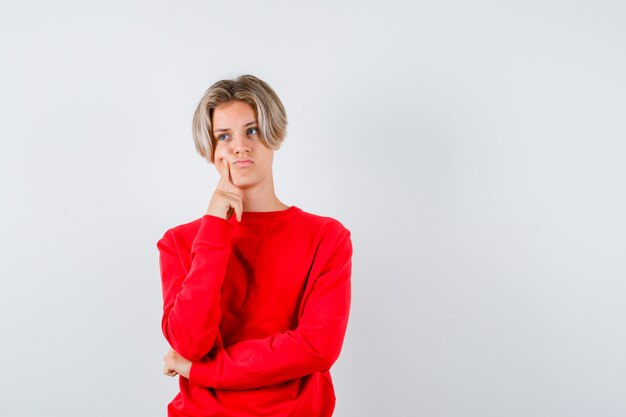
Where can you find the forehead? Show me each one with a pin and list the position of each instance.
(233, 112)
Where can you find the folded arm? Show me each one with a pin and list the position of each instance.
(191, 299)
(313, 346)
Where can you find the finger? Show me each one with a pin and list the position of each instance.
(226, 181)
(235, 204)
(230, 175)
(238, 209)
(169, 371)
(166, 370)
(223, 169)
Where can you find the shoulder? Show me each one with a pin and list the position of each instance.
(181, 234)
(327, 226)
(332, 242)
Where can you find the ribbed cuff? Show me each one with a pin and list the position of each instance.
(202, 373)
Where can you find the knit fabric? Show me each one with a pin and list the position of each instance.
(260, 307)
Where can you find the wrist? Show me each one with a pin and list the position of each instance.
(185, 369)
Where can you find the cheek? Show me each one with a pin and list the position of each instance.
(218, 162)
(218, 153)
(217, 158)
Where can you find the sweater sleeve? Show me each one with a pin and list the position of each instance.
(313, 346)
(191, 299)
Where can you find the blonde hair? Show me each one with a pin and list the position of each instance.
(270, 113)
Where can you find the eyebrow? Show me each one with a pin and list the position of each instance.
(223, 130)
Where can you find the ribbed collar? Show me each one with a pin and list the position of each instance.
(257, 217)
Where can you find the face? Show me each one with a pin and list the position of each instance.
(237, 138)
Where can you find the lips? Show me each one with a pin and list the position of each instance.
(243, 162)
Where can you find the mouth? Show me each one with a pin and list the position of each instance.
(243, 162)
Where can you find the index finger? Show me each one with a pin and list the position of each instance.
(225, 178)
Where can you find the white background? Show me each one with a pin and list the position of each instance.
(474, 149)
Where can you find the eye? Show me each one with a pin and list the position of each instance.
(219, 137)
(253, 129)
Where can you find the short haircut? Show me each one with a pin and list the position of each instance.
(269, 110)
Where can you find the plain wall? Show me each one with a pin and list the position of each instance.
(474, 149)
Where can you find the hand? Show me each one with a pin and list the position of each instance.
(176, 364)
(226, 197)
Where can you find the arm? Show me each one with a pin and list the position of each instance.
(191, 300)
(313, 346)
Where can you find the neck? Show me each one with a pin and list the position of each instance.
(261, 198)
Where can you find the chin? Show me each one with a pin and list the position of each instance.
(244, 184)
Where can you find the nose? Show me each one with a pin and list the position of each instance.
(239, 144)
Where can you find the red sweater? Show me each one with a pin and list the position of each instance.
(260, 308)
